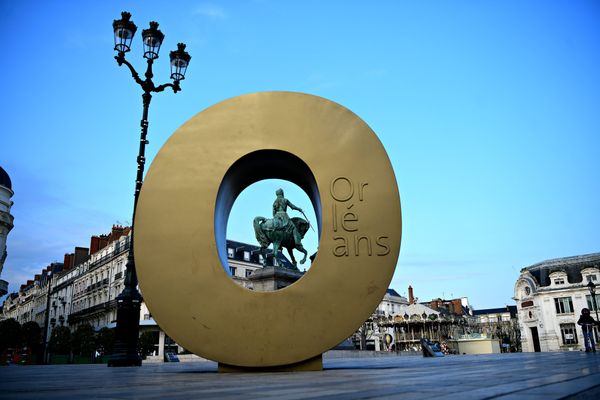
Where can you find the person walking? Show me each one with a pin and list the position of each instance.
(587, 322)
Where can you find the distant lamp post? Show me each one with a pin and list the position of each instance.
(592, 288)
(125, 352)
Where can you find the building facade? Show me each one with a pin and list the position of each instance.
(6, 222)
(499, 323)
(83, 289)
(550, 296)
(244, 259)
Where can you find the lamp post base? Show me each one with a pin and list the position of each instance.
(125, 352)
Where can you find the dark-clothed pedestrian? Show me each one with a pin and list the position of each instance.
(587, 326)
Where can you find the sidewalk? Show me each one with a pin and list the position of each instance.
(573, 375)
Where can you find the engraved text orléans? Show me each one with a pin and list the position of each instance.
(348, 198)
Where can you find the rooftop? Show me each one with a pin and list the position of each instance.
(572, 266)
(511, 309)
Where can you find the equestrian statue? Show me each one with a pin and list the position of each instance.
(281, 230)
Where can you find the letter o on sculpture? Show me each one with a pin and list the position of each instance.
(335, 189)
(181, 220)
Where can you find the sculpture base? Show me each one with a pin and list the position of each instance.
(312, 364)
(269, 279)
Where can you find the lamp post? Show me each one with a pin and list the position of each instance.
(125, 352)
(592, 288)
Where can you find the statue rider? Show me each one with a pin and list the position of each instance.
(281, 219)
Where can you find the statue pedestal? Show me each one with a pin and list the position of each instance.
(269, 279)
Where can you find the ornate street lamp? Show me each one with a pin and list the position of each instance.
(125, 352)
(592, 288)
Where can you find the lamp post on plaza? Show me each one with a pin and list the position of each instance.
(592, 288)
(125, 352)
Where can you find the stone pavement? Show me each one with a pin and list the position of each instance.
(573, 375)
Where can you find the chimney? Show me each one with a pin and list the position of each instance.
(68, 261)
(94, 244)
(81, 254)
(411, 297)
(457, 307)
(116, 233)
(103, 241)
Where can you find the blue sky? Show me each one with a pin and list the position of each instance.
(488, 111)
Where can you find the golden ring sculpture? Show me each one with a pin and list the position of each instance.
(181, 223)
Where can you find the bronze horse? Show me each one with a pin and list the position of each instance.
(281, 238)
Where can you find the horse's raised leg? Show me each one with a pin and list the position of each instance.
(290, 251)
(303, 250)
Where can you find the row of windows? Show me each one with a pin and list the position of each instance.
(231, 254)
(233, 271)
(82, 285)
(493, 318)
(569, 334)
(564, 305)
(561, 280)
(99, 299)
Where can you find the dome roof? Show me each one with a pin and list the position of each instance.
(5, 179)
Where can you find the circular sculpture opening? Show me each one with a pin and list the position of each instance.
(251, 168)
(250, 260)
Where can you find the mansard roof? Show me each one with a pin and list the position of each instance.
(239, 248)
(572, 266)
(392, 292)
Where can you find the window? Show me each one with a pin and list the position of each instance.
(564, 305)
(559, 281)
(569, 336)
(247, 256)
(248, 273)
(527, 290)
(590, 301)
(230, 253)
(232, 270)
(591, 278)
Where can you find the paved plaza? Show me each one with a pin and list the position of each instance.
(573, 375)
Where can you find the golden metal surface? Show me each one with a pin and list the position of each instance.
(181, 275)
